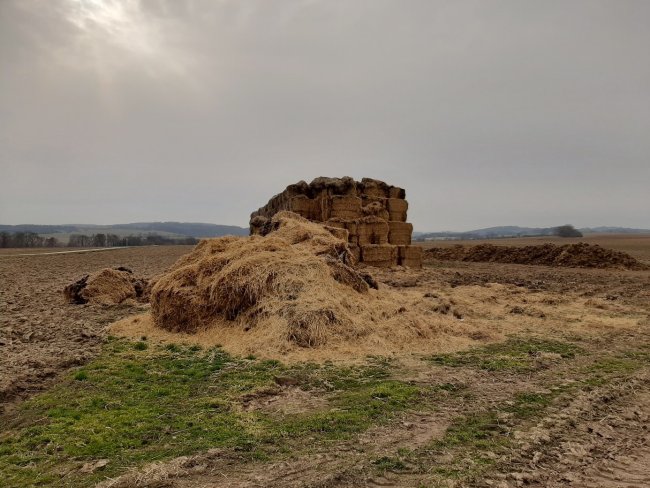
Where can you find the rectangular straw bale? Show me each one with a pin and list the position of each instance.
(372, 231)
(397, 205)
(372, 189)
(338, 232)
(367, 200)
(410, 256)
(397, 209)
(399, 233)
(379, 255)
(351, 227)
(345, 207)
(303, 206)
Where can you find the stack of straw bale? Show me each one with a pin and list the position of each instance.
(370, 214)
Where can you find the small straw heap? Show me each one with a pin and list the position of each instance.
(108, 286)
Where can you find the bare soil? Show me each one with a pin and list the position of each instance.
(637, 245)
(592, 432)
(581, 255)
(40, 334)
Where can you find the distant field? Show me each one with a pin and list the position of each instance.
(637, 245)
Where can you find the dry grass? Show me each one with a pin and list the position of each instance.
(412, 313)
(293, 284)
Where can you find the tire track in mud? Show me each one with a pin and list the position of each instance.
(627, 471)
(600, 440)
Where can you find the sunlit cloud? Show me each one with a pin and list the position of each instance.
(112, 34)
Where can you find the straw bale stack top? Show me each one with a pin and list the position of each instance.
(372, 212)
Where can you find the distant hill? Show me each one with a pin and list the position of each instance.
(169, 229)
(189, 229)
(516, 231)
(613, 230)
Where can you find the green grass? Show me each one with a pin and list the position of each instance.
(527, 405)
(607, 369)
(387, 463)
(477, 430)
(138, 404)
(513, 355)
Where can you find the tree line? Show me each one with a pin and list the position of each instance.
(32, 239)
(113, 240)
(26, 239)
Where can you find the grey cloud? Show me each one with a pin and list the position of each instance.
(487, 112)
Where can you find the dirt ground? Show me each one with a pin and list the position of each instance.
(579, 419)
(41, 335)
(637, 245)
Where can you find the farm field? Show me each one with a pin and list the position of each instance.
(534, 376)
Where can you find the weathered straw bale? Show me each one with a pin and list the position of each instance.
(399, 233)
(374, 188)
(397, 209)
(364, 208)
(345, 207)
(379, 255)
(372, 230)
(410, 256)
(376, 209)
(305, 207)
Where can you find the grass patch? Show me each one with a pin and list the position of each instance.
(606, 369)
(135, 404)
(480, 430)
(387, 463)
(527, 405)
(513, 355)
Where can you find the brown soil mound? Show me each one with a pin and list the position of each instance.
(296, 281)
(581, 255)
(108, 286)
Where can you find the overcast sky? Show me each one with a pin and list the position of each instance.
(488, 112)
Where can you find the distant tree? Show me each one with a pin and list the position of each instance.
(567, 231)
(132, 240)
(6, 239)
(99, 240)
(112, 240)
(19, 239)
(51, 242)
(79, 240)
(32, 239)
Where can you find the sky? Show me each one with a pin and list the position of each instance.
(488, 112)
